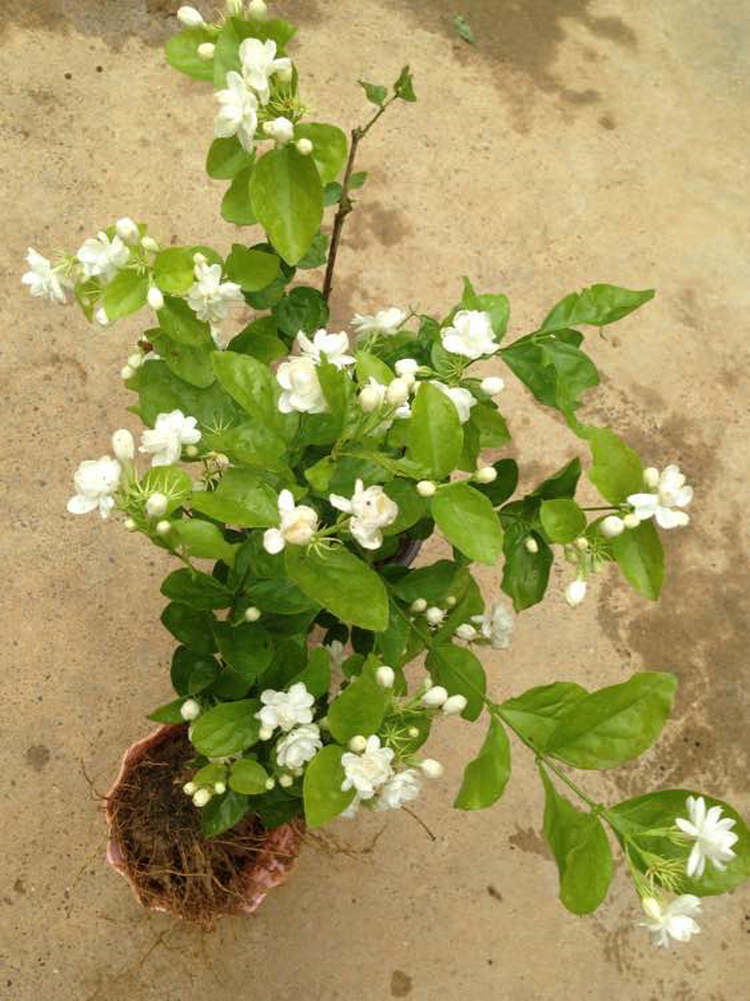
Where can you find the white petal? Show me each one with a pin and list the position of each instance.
(273, 541)
(82, 505)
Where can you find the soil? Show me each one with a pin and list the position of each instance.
(172, 865)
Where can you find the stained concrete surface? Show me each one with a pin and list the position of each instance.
(580, 140)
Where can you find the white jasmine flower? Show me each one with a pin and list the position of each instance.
(299, 746)
(297, 525)
(611, 526)
(331, 346)
(368, 771)
(385, 676)
(492, 385)
(712, 834)
(466, 631)
(486, 474)
(280, 129)
(651, 477)
(496, 625)
(301, 389)
(209, 297)
(220, 788)
(431, 768)
(103, 257)
(286, 709)
(202, 797)
(397, 391)
(454, 705)
(238, 111)
(190, 17)
(123, 445)
(406, 367)
(155, 298)
(676, 920)
(461, 398)
(206, 51)
(337, 653)
(403, 787)
(304, 146)
(189, 788)
(434, 616)
(385, 321)
(95, 482)
(371, 509)
(251, 614)
(127, 229)
(470, 335)
(42, 278)
(156, 505)
(671, 492)
(150, 244)
(170, 432)
(426, 488)
(259, 64)
(190, 709)
(434, 697)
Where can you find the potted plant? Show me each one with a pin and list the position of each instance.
(293, 472)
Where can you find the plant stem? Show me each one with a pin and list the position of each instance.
(345, 202)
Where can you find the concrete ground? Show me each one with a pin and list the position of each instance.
(579, 141)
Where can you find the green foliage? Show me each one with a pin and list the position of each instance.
(236, 205)
(182, 53)
(248, 777)
(287, 197)
(640, 556)
(463, 29)
(125, 294)
(323, 796)
(222, 813)
(404, 86)
(242, 498)
(194, 629)
(226, 158)
(487, 775)
(535, 714)
(359, 709)
(376, 93)
(553, 367)
(195, 589)
(247, 648)
(302, 309)
(341, 582)
(466, 518)
(459, 671)
(228, 728)
(251, 269)
(525, 574)
(562, 519)
(330, 147)
(597, 305)
(616, 471)
(435, 435)
(192, 672)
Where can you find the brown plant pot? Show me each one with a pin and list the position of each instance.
(269, 864)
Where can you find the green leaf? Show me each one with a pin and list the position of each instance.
(195, 589)
(357, 179)
(376, 93)
(435, 435)
(192, 364)
(490, 425)
(433, 583)
(192, 672)
(180, 323)
(161, 391)
(463, 29)
(341, 582)
(581, 849)
(226, 158)
(525, 574)
(487, 775)
(597, 305)
(242, 498)
(228, 728)
(259, 340)
(369, 366)
(504, 484)
(615, 724)
(404, 86)
(125, 294)
(466, 518)
(459, 671)
(174, 269)
(194, 629)
(236, 205)
(316, 676)
(411, 507)
(535, 714)
(287, 198)
(174, 483)
(330, 147)
(168, 713)
(203, 540)
(250, 383)
(182, 53)
(553, 367)
(323, 796)
(562, 484)
(659, 810)
(302, 309)
(617, 470)
(251, 269)
(317, 255)
(279, 595)
(248, 777)
(332, 193)
(359, 709)
(562, 519)
(640, 556)
(223, 812)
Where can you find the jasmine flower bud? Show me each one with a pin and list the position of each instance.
(582, 543)
(413, 732)
(487, 474)
(397, 392)
(492, 385)
(123, 445)
(304, 146)
(201, 797)
(257, 9)
(651, 477)
(156, 505)
(285, 74)
(434, 615)
(127, 230)
(426, 684)
(191, 451)
(575, 592)
(101, 317)
(155, 298)
(531, 545)
(426, 488)
(206, 50)
(418, 606)
(358, 744)
(126, 372)
(220, 788)
(190, 18)
(235, 7)
(434, 697)
(631, 520)
(466, 631)
(163, 527)
(149, 243)
(285, 781)
(265, 732)
(135, 360)
(370, 399)
(612, 526)
(252, 614)
(385, 676)
(454, 706)
(431, 768)
(450, 601)
(130, 525)
(189, 788)
(280, 129)
(270, 784)
(190, 709)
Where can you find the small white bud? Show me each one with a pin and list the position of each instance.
(127, 230)
(189, 788)
(285, 75)
(155, 298)
(413, 732)
(130, 525)
(531, 545)
(651, 477)
(201, 797)
(280, 129)
(190, 17)
(431, 768)
(426, 488)
(631, 520)
(454, 706)
(199, 259)
(252, 614)
(266, 732)
(358, 744)
(126, 372)
(385, 676)
(149, 243)
(575, 592)
(304, 146)
(369, 399)
(123, 445)
(285, 781)
(135, 360)
(257, 9)
(434, 697)
(220, 788)
(450, 601)
(418, 606)
(407, 367)
(492, 385)
(582, 543)
(156, 505)
(426, 684)
(101, 317)
(397, 392)
(270, 784)
(206, 51)
(235, 8)
(612, 526)
(191, 451)
(190, 709)
(466, 631)
(487, 474)
(434, 615)
(163, 527)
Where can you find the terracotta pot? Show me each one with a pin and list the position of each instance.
(271, 867)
